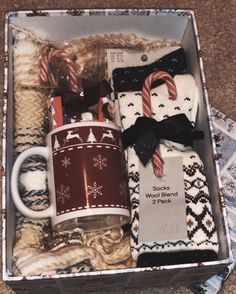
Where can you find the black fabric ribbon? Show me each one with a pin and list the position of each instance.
(74, 103)
(147, 133)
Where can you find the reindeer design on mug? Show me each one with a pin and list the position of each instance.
(70, 135)
(108, 135)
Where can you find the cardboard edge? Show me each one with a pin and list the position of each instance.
(210, 123)
(6, 276)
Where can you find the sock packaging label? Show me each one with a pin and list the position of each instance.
(162, 214)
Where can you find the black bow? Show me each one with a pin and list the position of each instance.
(74, 103)
(147, 133)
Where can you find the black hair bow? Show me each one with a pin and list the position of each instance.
(147, 133)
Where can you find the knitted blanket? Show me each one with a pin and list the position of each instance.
(37, 249)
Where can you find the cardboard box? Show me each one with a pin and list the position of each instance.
(178, 25)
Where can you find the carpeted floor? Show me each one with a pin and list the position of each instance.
(216, 20)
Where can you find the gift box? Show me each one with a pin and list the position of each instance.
(176, 25)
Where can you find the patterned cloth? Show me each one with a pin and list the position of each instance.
(37, 249)
(225, 132)
(34, 249)
(200, 224)
(132, 78)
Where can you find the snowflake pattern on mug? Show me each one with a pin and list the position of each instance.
(100, 162)
(94, 190)
(63, 193)
(65, 162)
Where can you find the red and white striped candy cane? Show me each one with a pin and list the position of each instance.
(157, 160)
(56, 53)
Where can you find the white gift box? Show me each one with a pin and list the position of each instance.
(178, 25)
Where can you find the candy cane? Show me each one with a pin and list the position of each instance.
(46, 59)
(43, 70)
(157, 160)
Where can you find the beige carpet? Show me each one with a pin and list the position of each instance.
(216, 21)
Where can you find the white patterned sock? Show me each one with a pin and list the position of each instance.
(201, 229)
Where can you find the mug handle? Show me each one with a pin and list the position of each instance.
(48, 212)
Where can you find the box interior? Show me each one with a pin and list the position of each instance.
(171, 26)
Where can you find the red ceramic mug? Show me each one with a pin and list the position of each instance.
(87, 177)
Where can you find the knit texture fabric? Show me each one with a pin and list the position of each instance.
(37, 249)
(201, 230)
(132, 78)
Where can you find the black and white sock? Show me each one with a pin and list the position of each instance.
(202, 238)
(132, 78)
